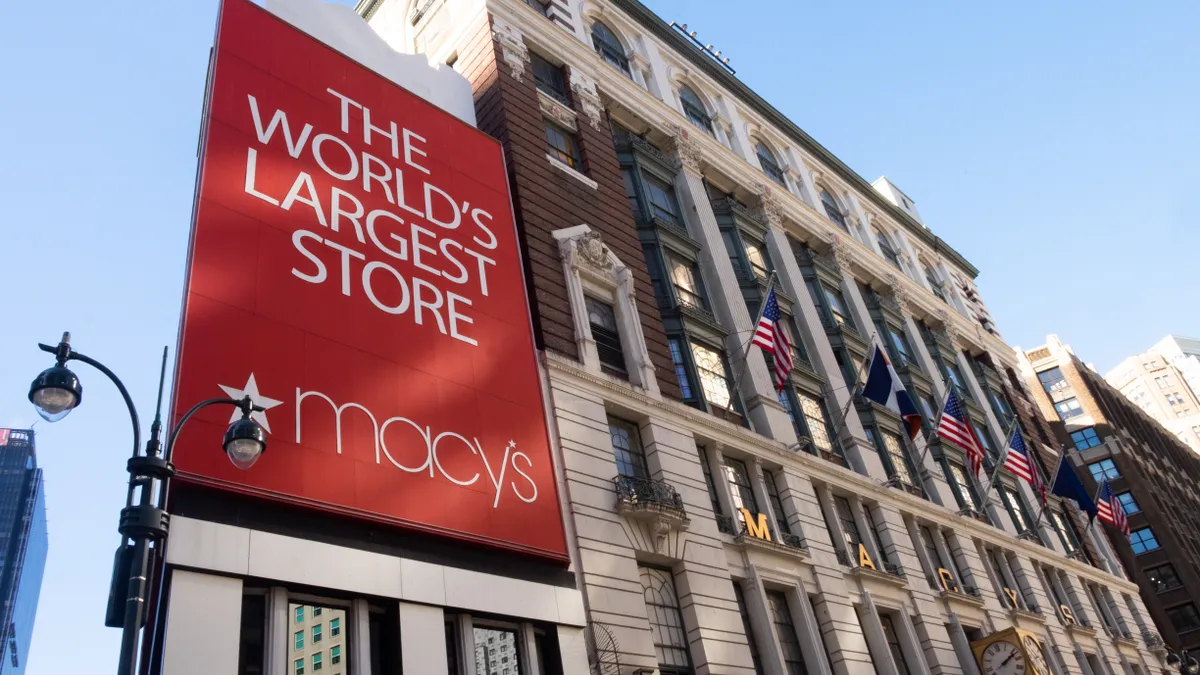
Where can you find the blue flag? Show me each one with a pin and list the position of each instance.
(1067, 484)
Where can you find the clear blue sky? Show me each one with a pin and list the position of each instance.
(1053, 144)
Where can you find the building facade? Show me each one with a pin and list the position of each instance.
(1152, 473)
(24, 541)
(715, 525)
(1165, 382)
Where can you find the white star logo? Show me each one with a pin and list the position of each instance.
(251, 390)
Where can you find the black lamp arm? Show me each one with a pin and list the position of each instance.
(244, 404)
(64, 353)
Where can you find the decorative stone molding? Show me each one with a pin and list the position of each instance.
(770, 207)
(584, 89)
(947, 327)
(839, 256)
(512, 46)
(899, 294)
(589, 263)
(557, 111)
(687, 150)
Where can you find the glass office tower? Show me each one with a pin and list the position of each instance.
(23, 545)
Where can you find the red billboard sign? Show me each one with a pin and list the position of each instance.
(354, 268)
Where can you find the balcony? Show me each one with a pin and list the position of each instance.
(887, 572)
(782, 542)
(650, 500)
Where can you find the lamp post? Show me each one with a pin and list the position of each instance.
(1187, 665)
(144, 522)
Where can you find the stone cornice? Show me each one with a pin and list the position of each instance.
(565, 370)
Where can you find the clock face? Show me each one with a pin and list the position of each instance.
(1037, 658)
(1003, 658)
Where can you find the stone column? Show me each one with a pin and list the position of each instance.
(872, 628)
(915, 655)
(763, 625)
(716, 464)
(962, 647)
(422, 631)
(805, 621)
(865, 530)
(850, 433)
(767, 416)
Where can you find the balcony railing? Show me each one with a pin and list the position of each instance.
(726, 525)
(633, 491)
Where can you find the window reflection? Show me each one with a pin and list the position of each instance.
(316, 639)
(496, 651)
(714, 380)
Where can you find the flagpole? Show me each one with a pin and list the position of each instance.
(933, 429)
(749, 345)
(1062, 457)
(999, 462)
(854, 387)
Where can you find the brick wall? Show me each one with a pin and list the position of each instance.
(546, 199)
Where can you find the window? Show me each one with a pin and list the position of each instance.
(1143, 541)
(757, 258)
(999, 405)
(935, 284)
(931, 551)
(661, 195)
(816, 419)
(694, 110)
(709, 483)
(549, 79)
(714, 377)
(1163, 578)
(873, 527)
(495, 648)
(985, 440)
(1068, 409)
(1184, 618)
(316, 611)
(1128, 503)
(888, 251)
(316, 633)
(542, 6)
(687, 288)
(299, 614)
(298, 667)
(603, 321)
(608, 46)
(1162, 382)
(837, 306)
(298, 642)
(316, 661)
(1104, 469)
(666, 621)
(963, 488)
(776, 503)
(1052, 380)
(1016, 510)
(832, 210)
(563, 146)
(781, 616)
(741, 488)
(1085, 438)
(1065, 534)
(770, 166)
(335, 627)
(900, 343)
(893, 642)
(335, 654)
(899, 459)
(627, 449)
(741, 603)
(956, 379)
(681, 369)
(845, 515)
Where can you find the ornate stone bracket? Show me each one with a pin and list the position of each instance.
(557, 111)
(839, 256)
(947, 328)
(512, 45)
(770, 207)
(687, 150)
(899, 296)
(584, 89)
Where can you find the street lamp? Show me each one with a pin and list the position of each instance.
(144, 520)
(1186, 664)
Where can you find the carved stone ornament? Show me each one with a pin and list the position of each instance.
(839, 256)
(591, 250)
(556, 111)
(947, 328)
(512, 46)
(899, 294)
(687, 150)
(770, 206)
(584, 89)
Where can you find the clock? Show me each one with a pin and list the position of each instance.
(1002, 658)
(1037, 658)
(1012, 651)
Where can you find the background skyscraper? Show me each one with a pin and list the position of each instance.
(1164, 381)
(23, 544)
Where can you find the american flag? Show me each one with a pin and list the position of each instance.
(1019, 461)
(771, 336)
(956, 428)
(1110, 510)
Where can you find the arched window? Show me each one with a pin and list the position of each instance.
(770, 166)
(888, 251)
(833, 211)
(693, 109)
(608, 46)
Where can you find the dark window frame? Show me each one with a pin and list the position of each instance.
(567, 152)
